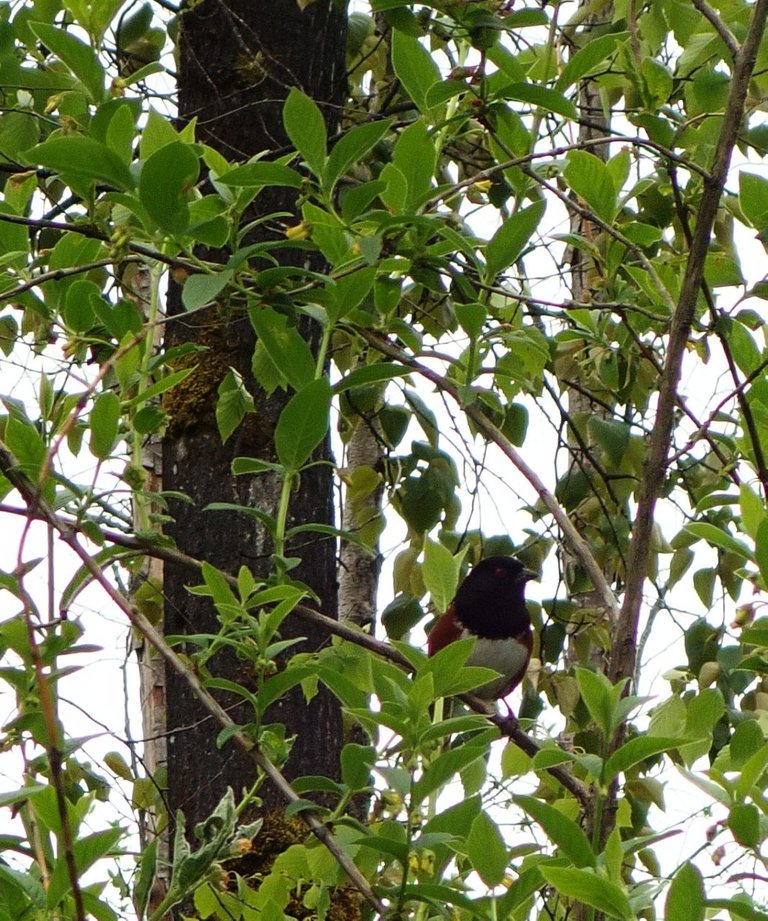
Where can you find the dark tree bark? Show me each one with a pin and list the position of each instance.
(237, 62)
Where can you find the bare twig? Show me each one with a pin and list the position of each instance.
(57, 274)
(353, 634)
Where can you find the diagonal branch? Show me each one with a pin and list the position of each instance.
(624, 652)
(710, 14)
(576, 542)
(351, 633)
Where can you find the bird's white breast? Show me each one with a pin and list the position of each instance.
(507, 656)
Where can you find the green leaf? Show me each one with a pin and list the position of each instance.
(761, 549)
(746, 741)
(589, 178)
(414, 68)
(303, 424)
(287, 348)
(81, 158)
(739, 907)
(612, 436)
(262, 173)
(685, 899)
(658, 80)
(722, 271)
(165, 383)
(351, 148)
(415, 157)
(87, 850)
(350, 290)
(440, 572)
(395, 194)
(445, 767)
(233, 403)
(14, 238)
(77, 56)
(635, 751)
(545, 98)
(507, 243)
(471, 318)
(586, 887)
(370, 374)
(400, 615)
(84, 576)
(121, 130)
(146, 877)
(328, 233)
(449, 673)
(487, 851)
(595, 691)
(158, 131)
(27, 445)
(166, 178)
(744, 824)
(751, 772)
(242, 466)
(704, 711)
(200, 290)
(753, 199)
(595, 54)
(356, 765)
(305, 126)
(717, 537)
(103, 423)
(562, 831)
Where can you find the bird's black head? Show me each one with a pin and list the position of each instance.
(491, 600)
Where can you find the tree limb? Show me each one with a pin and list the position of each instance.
(623, 653)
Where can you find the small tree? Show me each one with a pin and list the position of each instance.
(388, 262)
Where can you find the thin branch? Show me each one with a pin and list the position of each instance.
(624, 652)
(58, 274)
(93, 233)
(739, 392)
(703, 427)
(555, 152)
(54, 750)
(710, 14)
(587, 214)
(576, 542)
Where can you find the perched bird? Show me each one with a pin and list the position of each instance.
(490, 605)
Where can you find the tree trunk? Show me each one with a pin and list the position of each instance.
(237, 62)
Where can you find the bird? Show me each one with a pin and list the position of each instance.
(490, 605)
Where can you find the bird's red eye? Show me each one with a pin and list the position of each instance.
(501, 572)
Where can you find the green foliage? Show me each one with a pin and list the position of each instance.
(415, 288)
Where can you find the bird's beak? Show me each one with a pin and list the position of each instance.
(528, 575)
